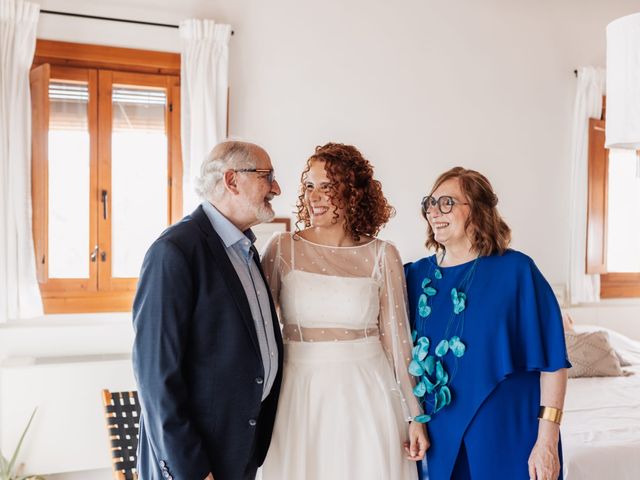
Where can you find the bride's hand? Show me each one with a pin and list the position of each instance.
(418, 443)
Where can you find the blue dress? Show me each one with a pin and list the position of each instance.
(511, 327)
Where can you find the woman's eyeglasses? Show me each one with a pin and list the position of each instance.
(445, 204)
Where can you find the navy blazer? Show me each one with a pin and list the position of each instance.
(197, 361)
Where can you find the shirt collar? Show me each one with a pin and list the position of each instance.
(228, 232)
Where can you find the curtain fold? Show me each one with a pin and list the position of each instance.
(588, 104)
(204, 83)
(19, 292)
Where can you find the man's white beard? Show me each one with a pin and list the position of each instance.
(264, 214)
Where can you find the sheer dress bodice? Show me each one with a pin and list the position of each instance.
(339, 294)
(318, 307)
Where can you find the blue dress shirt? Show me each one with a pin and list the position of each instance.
(238, 246)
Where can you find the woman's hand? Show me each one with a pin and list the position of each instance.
(544, 461)
(418, 443)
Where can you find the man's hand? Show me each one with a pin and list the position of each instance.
(209, 477)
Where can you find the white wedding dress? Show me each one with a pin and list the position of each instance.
(346, 395)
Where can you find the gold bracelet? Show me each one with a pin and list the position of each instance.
(551, 414)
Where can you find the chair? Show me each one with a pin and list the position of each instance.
(122, 411)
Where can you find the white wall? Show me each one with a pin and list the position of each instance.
(68, 433)
(418, 85)
(60, 364)
(622, 315)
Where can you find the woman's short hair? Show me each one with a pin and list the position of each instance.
(227, 155)
(353, 188)
(486, 229)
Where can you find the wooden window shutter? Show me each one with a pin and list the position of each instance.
(39, 79)
(596, 258)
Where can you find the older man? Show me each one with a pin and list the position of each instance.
(207, 354)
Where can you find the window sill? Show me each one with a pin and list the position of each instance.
(620, 285)
(71, 320)
(87, 303)
(67, 335)
(609, 302)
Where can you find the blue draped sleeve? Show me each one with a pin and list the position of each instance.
(532, 336)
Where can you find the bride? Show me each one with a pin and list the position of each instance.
(347, 400)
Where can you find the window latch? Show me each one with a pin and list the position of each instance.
(105, 197)
(94, 254)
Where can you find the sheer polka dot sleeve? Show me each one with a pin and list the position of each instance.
(271, 263)
(395, 332)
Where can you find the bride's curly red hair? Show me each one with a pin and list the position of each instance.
(353, 189)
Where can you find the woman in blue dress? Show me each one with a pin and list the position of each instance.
(489, 357)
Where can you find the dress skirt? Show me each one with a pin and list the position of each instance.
(339, 415)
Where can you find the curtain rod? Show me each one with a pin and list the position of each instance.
(122, 20)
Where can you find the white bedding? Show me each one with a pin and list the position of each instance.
(601, 425)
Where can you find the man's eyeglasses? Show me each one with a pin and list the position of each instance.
(269, 177)
(445, 204)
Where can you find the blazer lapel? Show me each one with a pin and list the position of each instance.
(228, 273)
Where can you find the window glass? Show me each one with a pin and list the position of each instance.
(623, 221)
(68, 184)
(139, 175)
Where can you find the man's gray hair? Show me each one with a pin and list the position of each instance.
(227, 155)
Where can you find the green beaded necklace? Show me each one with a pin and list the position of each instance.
(433, 386)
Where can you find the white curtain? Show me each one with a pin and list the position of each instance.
(204, 83)
(19, 293)
(588, 104)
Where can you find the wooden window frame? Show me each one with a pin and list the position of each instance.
(612, 284)
(101, 67)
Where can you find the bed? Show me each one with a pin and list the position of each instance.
(601, 425)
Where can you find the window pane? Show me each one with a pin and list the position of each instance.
(69, 176)
(138, 176)
(623, 234)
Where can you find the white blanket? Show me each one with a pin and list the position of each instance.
(601, 425)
